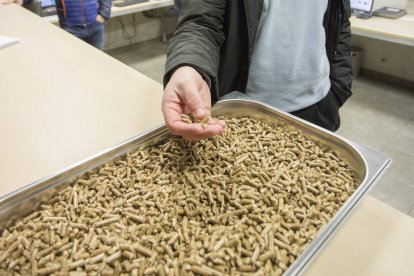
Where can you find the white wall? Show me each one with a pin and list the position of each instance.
(410, 6)
(144, 29)
(385, 57)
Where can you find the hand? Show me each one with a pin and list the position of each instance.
(18, 2)
(188, 93)
(100, 19)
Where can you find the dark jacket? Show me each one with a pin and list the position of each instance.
(217, 38)
(82, 12)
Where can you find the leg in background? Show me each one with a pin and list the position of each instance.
(78, 31)
(95, 35)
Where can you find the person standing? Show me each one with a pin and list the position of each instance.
(294, 55)
(83, 18)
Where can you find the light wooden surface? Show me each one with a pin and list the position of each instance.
(119, 11)
(62, 100)
(400, 30)
(375, 240)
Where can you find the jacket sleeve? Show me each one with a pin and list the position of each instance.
(198, 39)
(341, 71)
(104, 8)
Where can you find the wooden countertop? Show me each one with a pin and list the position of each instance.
(400, 30)
(62, 101)
(375, 240)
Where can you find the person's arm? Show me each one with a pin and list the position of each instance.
(192, 65)
(341, 71)
(198, 38)
(104, 10)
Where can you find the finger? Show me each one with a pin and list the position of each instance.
(171, 107)
(222, 123)
(208, 131)
(190, 95)
(183, 129)
(213, 129)
(191, 132)
(206, 96)
(214, 121)
(172, 110)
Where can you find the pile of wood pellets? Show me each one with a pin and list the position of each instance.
(246, 202)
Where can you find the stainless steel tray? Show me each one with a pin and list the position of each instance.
(365, 163)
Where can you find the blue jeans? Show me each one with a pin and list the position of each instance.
(92, 33)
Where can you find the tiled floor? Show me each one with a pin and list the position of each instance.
(378, 115)
(382, 116)
(147, 57)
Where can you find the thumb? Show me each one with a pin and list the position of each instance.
(192, 100)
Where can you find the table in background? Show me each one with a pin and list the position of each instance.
(400, 30)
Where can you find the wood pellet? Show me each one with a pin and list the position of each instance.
(189, 119)
(248, 201)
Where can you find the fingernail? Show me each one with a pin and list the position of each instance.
(199, 113)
